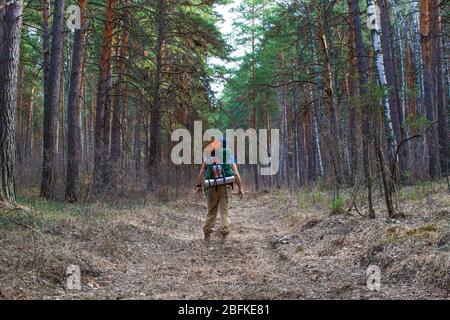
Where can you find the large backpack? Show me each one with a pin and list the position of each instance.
(223, 157)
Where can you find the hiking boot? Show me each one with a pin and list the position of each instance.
(225, 237)
(207, 237)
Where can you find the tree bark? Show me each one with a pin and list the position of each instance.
(333, 147)
(351, 94)
(74, 110)
(155, 121)
(51, 100)
(379, 64)
(392, 85)
(426, 43)
(362, 77)
(284, 145)
(116, 143)
(29, 123)
(2, 19)
(10, 32)
(100, 151)
(255, 115)
(137, 136)
(442, 115)
(19, 114)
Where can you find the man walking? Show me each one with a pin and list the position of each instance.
(219, 169)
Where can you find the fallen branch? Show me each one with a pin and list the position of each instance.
(16, 222)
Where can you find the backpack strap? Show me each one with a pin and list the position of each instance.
(215, 179)
(224, 185)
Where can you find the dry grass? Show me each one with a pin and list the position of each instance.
(283, 245)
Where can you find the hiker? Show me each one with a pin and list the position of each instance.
(217, 177)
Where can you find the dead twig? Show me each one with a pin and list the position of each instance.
(16, 222)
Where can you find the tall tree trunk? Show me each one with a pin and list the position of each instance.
(316, 159)
(390, 65)
(92, 121)
(155, 121)
(334, 152)
(2, 18)
(362, 77)
(100, 151)
(85, 110)
(10, 33)
(318, 147)
(298, 153)
(387, 111)
(351, 94)
(116, 143)
(29, 122)
(19, 114)
(426, 43)
(442, 115)
(411, 84)
(51, 100)
(74, 110)
(60, 140)
(267, 120)
(137, 136)
(284, 146)
(255, 115)
(107, 121)
(379, 63)
(399, 26)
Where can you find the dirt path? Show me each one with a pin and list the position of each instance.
(278, 249)
(181, 265)
(265, 258)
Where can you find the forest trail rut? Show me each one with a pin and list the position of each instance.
(262, 259)
(182, 265)
(278, 249)
(267, 256)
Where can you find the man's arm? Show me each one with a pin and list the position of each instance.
(200, 177)
(238, 178)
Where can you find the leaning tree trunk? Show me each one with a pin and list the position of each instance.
(51, 101)
(9, 66)
(74, 111)
(334, 150)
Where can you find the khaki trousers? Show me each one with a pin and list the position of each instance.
(218, 197)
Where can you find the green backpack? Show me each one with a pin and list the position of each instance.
(226, 166)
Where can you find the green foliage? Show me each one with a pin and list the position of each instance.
(421, 190)
(337, 206)
(403, 233)
(306, 199)
(417, 123)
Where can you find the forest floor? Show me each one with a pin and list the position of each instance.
(283, 246)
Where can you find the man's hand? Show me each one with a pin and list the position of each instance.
(199, 189)
(240, 193)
